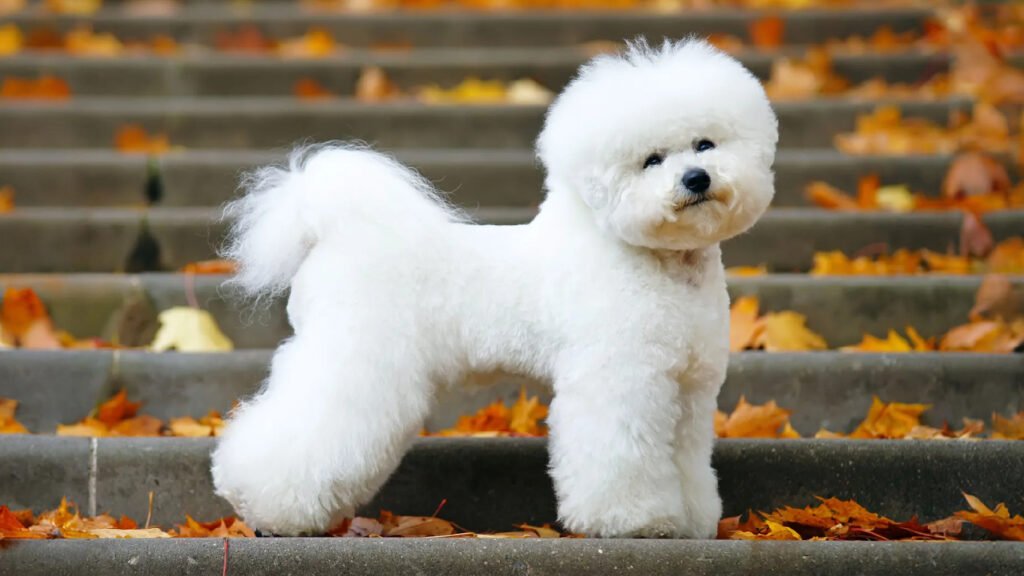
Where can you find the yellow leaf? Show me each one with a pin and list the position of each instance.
(744, 327)
(188, 329)
(787, 331)
(895, 198)
(11, 40)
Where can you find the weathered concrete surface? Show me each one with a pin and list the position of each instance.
(841, 309)
(492, 484)
(785, 240)
(202, 23)
(37, 471)
(322, 556)
(218, 74)
(281, 122)
(824, 390)
(97, 178)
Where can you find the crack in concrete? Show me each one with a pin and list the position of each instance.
(94, 444)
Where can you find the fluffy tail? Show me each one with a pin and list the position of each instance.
(285, 211)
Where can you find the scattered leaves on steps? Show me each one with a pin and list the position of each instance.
(832, 519)
(45, 87)
(886, 131)
(6, 199)
(872, 196)
(65, 522)
(1007, 257)
(374, 85)
(117, 417)
(498, 420)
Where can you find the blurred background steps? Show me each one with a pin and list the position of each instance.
(472, 177)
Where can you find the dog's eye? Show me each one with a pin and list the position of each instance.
(653, 160)
(703, 145)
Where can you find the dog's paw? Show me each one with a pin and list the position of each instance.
(659, 528)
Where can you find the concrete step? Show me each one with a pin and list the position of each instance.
(217, 74)
(201, 23)
(841, 309)
(473, 177)
(491, 484)
(280, 122)
(570, 557)
(829, 390)
(105, 239)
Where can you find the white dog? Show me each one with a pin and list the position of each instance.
(615, 293)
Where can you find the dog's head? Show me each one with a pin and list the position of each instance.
(671, 148)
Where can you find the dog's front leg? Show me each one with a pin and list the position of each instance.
(695, 439)
(613, 428)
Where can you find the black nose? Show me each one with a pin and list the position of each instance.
(697, 180)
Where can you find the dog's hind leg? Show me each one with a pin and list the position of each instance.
(612, 447)
(331, 425)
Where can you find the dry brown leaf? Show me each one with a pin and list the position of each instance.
(767, 32)
(375, 86)
(894, 342)
(133, 138)
(316, 43)
(1011, 428)
(45, 87)
(750, 421)
(975, 174)
(6, 199)
(496, 419)
(998, 521)
(310, 89)
(211, 267)
(76, 7)
(8, 423)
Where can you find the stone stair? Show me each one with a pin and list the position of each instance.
(82, 209)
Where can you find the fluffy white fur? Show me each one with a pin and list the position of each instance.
(615, 293)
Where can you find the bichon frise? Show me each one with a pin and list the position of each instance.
(615, 293)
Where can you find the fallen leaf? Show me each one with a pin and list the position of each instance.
(116, 409)
(374, 85)
(211, 267)
(1008, 428)
(76, 7)
(316, 43)
(787, 331)
(8, 423)
(310, 89)
(496, 419)
(998, 521)
(974, 174)
(889, 420)
(6, 199)
(750, 421)
(743, 323)
(133, 138)
(45, 87)
(11, 40)
(188, 329)
(767, 32)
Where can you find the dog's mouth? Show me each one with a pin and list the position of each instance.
(695, 200)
